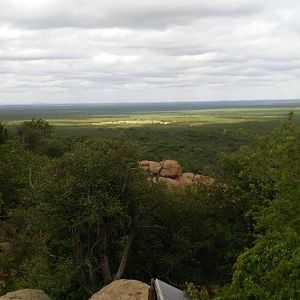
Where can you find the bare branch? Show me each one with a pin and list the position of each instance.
(30, 177)
(150, 226)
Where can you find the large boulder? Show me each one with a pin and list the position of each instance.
(170, 182)
(144, 164)
(170, 168)
(26, 294)
(154, 167)
(123, 289)
(189, 176)
(186, 179)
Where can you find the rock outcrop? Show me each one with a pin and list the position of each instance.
(26, 294)
(170, 172)
(123, 289)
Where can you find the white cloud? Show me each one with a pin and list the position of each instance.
(148, 50)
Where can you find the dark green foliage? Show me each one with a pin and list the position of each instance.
(73, 210)
(93, 194)
(201, 236)
(196, 148)
(270, 270)
(191, 235)
(33, 132)
(18, 168)
(195, 293)
(36, 135)
(3, 134)
(15, 166)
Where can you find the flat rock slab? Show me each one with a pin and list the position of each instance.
(26, 294)
(123, 289)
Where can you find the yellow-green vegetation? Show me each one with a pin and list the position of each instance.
(196, 293)
(161, 118)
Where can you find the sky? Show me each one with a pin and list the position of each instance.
(73, 51)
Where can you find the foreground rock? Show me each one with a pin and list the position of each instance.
(26, 294)
(170, 173)
(123, 290)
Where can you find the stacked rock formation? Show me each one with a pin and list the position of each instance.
(170, 172)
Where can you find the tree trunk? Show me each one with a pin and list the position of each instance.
(84, 278)
(23, 139)
(87, 284)
(104, 265)
(30, 177)
(125, 254)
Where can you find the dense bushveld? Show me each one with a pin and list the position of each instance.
(78, 213)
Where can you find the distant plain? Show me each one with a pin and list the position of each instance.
(192, 133)
(147, 114)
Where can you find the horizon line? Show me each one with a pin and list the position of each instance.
(147, 102)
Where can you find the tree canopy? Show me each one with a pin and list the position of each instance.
(79, 214)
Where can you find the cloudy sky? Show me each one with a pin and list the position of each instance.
(57, 51)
